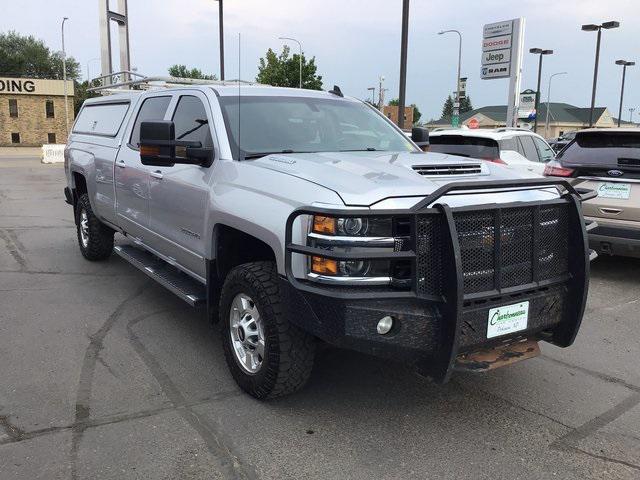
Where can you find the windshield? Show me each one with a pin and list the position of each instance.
(464, 146)
(298, 124)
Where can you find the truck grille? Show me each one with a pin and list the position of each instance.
(466, 169)
(499, 248)
(510, 247)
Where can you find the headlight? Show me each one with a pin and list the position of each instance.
(352, 226)
(353, 236)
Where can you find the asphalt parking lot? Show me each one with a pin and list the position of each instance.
(107, 375)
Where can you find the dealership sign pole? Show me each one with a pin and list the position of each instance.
(502, 47)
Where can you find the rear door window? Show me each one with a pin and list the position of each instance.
(544, 150)
(530, 151)
(465, 146)
(103, 119)
(153, 108)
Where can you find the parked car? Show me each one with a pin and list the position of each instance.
(562, 141)
(297, 216)
(518, 149)
(607, 161)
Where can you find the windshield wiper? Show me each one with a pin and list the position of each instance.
(248, 156)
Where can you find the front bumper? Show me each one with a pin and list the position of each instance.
(444, 313)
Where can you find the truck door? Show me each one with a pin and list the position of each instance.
(131, 176)
(179, 194)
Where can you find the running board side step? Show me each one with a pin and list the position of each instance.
(185, 287)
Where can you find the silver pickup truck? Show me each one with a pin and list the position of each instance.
(296, 217)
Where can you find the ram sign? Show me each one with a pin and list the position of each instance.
(497, 46)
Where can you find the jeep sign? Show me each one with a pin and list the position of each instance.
(496, 56)
(502, 46)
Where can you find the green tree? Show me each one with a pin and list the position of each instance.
(26, 56)
(465, 105)
(82, 93)
(447, 108)
(284, 70)
(394, 102)
(181, 71)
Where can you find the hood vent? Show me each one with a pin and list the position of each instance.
(457, 169)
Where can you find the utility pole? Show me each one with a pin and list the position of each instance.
(64, 78)
(403, 62)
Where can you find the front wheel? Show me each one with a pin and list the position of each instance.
(267, 355)
(94, 238)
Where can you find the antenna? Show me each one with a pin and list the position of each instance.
(239, 91)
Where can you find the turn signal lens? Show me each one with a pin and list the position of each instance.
(495, 160)
(324, 266)
(149, 150)
(324, 225)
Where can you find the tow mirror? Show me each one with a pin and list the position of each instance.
(420, 137)
(159, 147)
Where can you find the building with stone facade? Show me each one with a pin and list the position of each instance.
(32, 111)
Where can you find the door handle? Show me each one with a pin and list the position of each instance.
(121, 163)
(156, 174)
(611, 211)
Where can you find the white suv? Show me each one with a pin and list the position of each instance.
(515, 148)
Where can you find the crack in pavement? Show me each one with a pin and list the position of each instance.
(218, 444)
(15, 435)
(15, 248)
(85, 383)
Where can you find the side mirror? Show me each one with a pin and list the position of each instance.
(159, 147)
(420, 137)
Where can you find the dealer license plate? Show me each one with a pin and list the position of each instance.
(614, 190)
(507, 319)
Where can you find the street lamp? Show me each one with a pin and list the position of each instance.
(597, 28)
(540, 52)
(631, 110)
(64, 78)
(455, 119)
(221, 33)
(299, 46)
(624, 64)
(373, 94)
(546, 122)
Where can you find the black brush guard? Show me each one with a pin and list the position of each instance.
(519, 255)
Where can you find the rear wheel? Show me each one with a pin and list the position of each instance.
(268, 356)
(94, 238)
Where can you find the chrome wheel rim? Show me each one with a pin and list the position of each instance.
(247, 333)
(84, 228)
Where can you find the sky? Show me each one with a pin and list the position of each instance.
(357, 41)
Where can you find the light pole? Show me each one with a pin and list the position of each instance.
(455, 118)
(624, 64)
(540, 52)
(64, 78)
(593, 28)
(299, 46)
(221, 33)
(404, 40)
(546, 122)
(631, 110)
(373, 94)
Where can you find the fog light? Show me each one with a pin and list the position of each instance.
(384, 325)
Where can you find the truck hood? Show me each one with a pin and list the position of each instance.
(364, 178)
